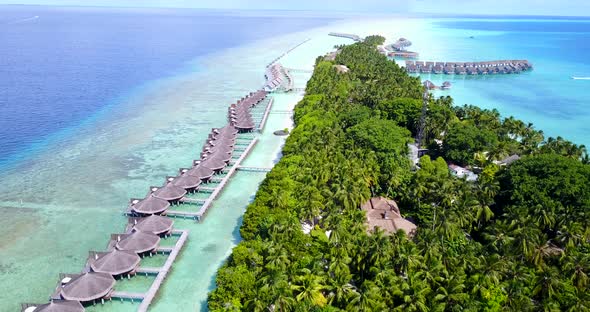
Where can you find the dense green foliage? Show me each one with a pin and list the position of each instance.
(517, 239)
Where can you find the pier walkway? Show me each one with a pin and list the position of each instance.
(265, 116)
(151, 293)
(254, 169)
(347, 36)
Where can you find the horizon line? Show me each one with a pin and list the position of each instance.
(392, 13)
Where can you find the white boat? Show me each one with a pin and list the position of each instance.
(580, 78)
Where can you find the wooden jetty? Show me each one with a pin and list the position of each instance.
(347, 36)
(254, 169)
(265, 117)
(200, 214)
(469, 68)
(163, 272)
(287, 52)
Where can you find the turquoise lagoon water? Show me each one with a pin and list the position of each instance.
(67, 197)
(61, 203)
(546, 96)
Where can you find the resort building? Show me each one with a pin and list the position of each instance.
(53, 306)
(85, 287)
(384, 213)
(462, 172)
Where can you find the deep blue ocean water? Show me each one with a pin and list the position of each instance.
(60, 67)
(546, 96)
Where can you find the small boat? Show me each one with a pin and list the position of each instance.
(580, 78)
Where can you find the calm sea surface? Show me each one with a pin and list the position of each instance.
(98, 104)
(546, 96)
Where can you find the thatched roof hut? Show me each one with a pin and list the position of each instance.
(86, 287)
(169, 192)
(150, 205)
(153, 224)
(213, 164)
(384, 213)
(201, 172)
(54, 306)
(186, 181)
(446, 85)
(114, 262)
(138, 242)
(429, 85)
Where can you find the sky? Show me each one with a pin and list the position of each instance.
(477, 7)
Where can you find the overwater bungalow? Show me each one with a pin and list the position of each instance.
(446, 85)
(150, 205)
(153, 224)
(86, 287)
(438, 69)
(169, 192)
(138, 242)
(429, 85)
(384, 213)
(227, 130)
(201, 172)
(115, 262)
(225, 157)
(449, 70)
(213, 164)
(54, 306)
(245, 126)
(188, 182)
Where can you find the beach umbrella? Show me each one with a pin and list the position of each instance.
(154, 224)
(151, 205)
(115, 262)
(55, 306)
(88, 286)
(169, 192)
(138, 242)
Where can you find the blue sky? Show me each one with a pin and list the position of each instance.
(514, 7)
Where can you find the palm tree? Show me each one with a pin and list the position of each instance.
(309, 288)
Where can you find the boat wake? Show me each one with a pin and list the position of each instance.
(24, 20)
(581, 78)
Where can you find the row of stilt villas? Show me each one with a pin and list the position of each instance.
(147, 222)
(239, 113)
(277, 77)
(469, 68)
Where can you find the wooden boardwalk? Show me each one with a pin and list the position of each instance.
(265, 117)
(254, 169)
(347, 36)
(163, 272)
(125, 295)
(203, 211)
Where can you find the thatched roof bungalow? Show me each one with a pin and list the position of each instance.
(150, 205)
(138, 242)
(384, 213)
(54, 306)
(115, 262)
(153, 224)
(169, 192)
(201, 172)
(86, 287)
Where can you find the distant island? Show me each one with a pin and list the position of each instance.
(493, 216)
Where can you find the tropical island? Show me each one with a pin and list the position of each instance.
(517, 237)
